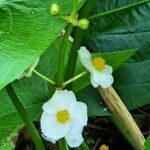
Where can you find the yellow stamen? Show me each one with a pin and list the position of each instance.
(104, 147)
(63, 116)
(98, 63)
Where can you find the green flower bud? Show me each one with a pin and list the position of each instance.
(54, 10)
(83, 24)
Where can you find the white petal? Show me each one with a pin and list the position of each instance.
(101, 79)
(48, 139)
(106, 81)
(108, 69)
(64, 97)
(75, 127)
(60, 100)
(53, 129)
(94, 81)
(78, 112)
(85, 58)
(50, 107)
(74, 140)
(84, 53)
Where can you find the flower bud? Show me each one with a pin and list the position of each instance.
(54, 10)
(83, 24)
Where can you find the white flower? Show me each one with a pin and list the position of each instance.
(64, 117)
(101, 73)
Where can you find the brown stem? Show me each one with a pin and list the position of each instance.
(123, 116)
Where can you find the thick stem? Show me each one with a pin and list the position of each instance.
(123, 117)
(25, 117)
(79, 34)
(60, 72)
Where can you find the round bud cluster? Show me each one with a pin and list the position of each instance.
(55, 9)
(83, 24)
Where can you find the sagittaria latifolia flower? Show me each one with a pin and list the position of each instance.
(64, 117)
(100, 72)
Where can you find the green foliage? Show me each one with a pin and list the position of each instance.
(147, 144)
(123, 25)
(26, 31)
(8, 134)
(33, 92)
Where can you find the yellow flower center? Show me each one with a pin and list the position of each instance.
(98, 63)
(63, 116)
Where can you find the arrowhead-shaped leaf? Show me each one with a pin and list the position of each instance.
(26, 31)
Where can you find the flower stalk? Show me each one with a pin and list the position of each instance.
(25, 117)
(74, 78)
(123, 117)
(45, 78)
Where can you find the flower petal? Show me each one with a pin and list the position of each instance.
(108, 69)
(48, 139)
(85, 58)
(101, 79)
(60, 100)
(50, 107)
(78, 112)
(52, 129)
(106, 81)
(94, 80)
(75, 127)
(74, 140)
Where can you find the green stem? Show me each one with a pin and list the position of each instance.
(84, 146)
(63, 145)
(74, 78)
(25, 117)
(60, 71)
(79, 34)
(45, 78)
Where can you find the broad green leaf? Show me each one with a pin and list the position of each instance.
(114, 59)
(132, 83)
(33, 92)
(26, 31)
(147, 144)
(122, 25)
